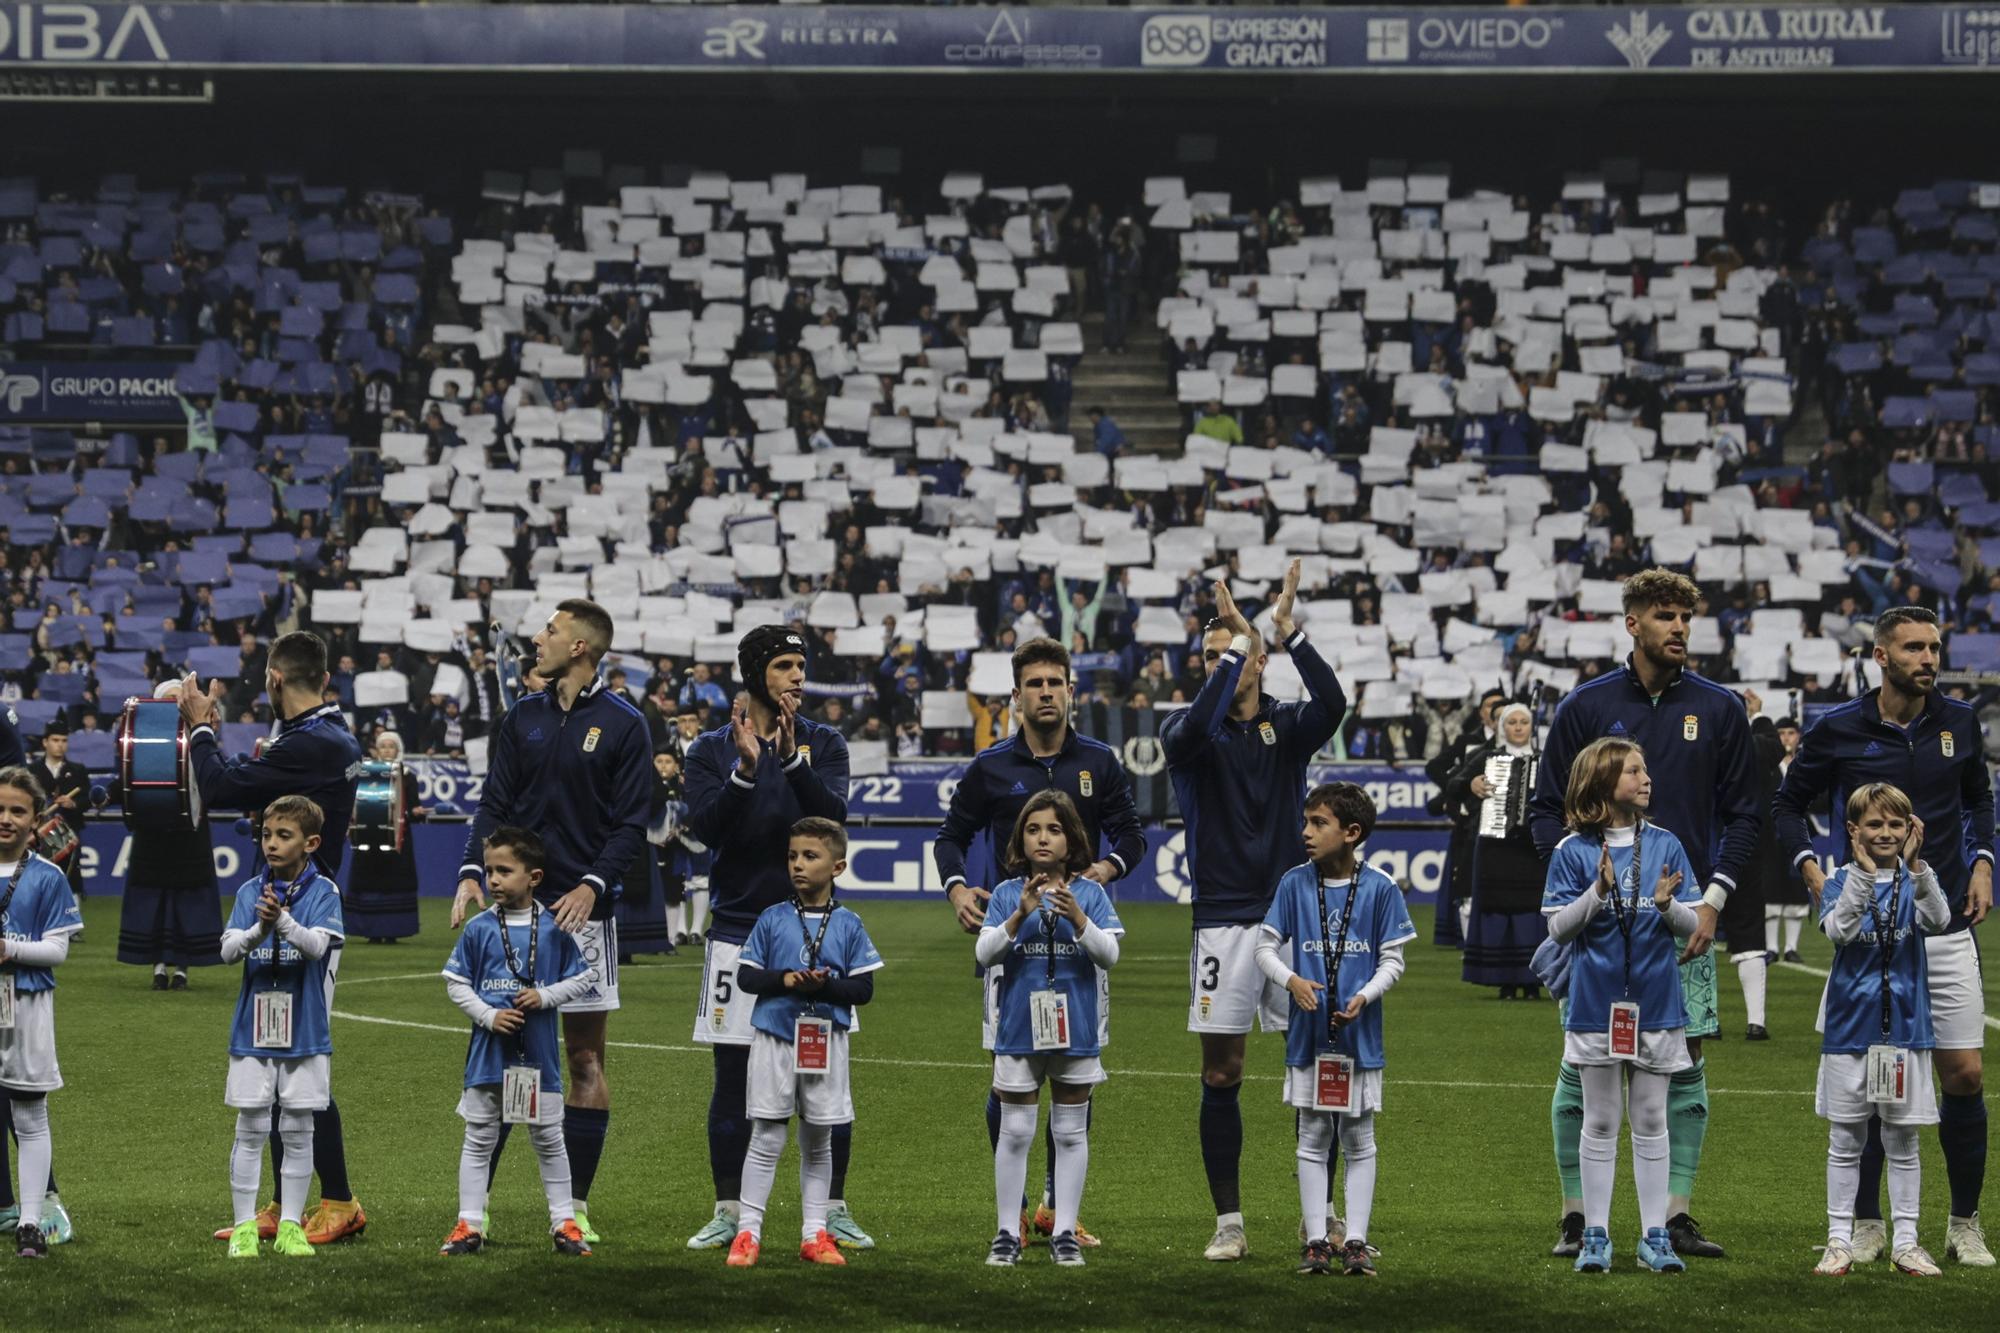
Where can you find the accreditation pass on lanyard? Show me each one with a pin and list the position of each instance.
(1048, 1018)
(520, 1095)
(7, 1002)
(272, 1030)
(1624, 1030)
(1333, 1083)
(1888, 1075)
(812, 1044)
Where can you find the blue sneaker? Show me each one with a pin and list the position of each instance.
(55, 1221)
(1594, 1256)
(1656, 1251)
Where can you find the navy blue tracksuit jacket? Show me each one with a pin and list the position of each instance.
(1001, 778)
(748, 825)
(581, 780)
(1939, 762)
(313, 755)
(1242, 785)
(1696, 736)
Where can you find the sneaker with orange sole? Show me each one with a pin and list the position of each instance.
(821, 1249)
(267, 1224)
(336, 1219)
(464, 1239)
(743, 1252)
(1045, 1227)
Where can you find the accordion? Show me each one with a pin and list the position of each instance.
(1511, 779)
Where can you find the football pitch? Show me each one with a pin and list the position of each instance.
(1465, 1207)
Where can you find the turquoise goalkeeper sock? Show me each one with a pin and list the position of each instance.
(1687, 1125)
(1566, 1118)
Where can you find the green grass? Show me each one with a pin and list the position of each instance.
(1465, 1208)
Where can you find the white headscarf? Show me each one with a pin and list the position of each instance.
(1500, 730)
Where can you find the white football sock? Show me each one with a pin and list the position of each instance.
(1752, 973)
(295, 1131)
(246, 1161)
(1772, 915)
(760, 1168)
(1357, 1145)
(697, 910)
(1650, 1146)
(552, 1156)
(475, 1164)
(159, 969)
(1844, 1141)
(1603, 1108)
(1795, 920)
(1071, 1124)
(1315, 1148)
(1899, 1149)
(31, 1129)
(815, 1177)
(677, 920)
(1010, 1161)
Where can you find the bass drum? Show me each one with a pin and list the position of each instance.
(156, 768)
(381, 824)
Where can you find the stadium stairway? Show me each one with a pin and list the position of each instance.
(1133, 386)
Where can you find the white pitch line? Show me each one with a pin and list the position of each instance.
(436, 975)
(1121, 1073)
(1822, 974)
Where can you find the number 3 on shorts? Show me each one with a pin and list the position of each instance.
(1211, 972)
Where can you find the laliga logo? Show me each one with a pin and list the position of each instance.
(1638, 41)
(16, 390)
(74, 32)
(741, 37)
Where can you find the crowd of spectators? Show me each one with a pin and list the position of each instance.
(711, 403)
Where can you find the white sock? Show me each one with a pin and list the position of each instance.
(760, 1168)
(1357, 1145)
(1603, 1107)
(295, 1131)
(1843, 1177)
(677, 920)
(815, 1177)
(246, 1161)
(552, 1156)
(1465, 919)
(1752, 973)
(698, 909)
(1899, 1149)
(1072, 1130)
(31, 1128)
(475, 1164)
(1650, 1146)
(1795, 920)
(1649, 1174)
(1772, 915)
(1315, 1146)
(159, 969)
(1010, 1161)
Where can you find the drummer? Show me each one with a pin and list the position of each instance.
(313, 755)
(171, 915)
(380, 902)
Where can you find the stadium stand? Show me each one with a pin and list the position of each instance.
(721, 402)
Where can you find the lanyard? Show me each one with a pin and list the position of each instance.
(1339, 953)
(526, 976)
(1628, 921)
(13, 882)
(287, 895)
(1885, 940)
(813, 942)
